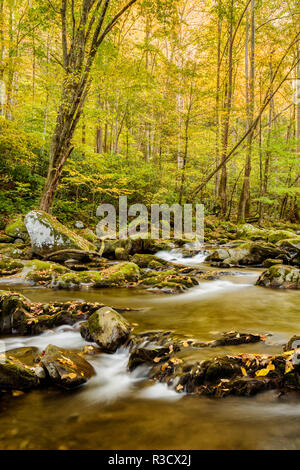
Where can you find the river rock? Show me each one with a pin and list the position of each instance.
(274, 236)
(119, 275)
(42, 272)
(281, 277)
(65, 368)
(245, 254)
(9, 266)
(13, 311)
(107, 328)
(18, 370)
(48, 235)
(148, 261)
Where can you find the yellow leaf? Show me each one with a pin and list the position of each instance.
(262, 372)
(156, 359)
(185, 344)
(175, 360)
(244, 372)
(179, 387)
(288, 367)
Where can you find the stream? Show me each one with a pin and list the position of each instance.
(119, 410)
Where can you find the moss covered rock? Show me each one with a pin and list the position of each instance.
(275, 236)
(16, 251)
(245, 254)
(119, 275)
(42, 272)
(280, 276)
(168, 281)
(65, 368)
(148, 261)
(107, 328)
(9, 266)
(17, 229)
(249, 232)
(15, 375)
(48, 235)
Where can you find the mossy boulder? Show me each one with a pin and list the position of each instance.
(17, 229)
(249, 232)
(267, 263)
(48, 235)
(9, 266)
(148, 261)
(89, 235)
(107, 328)
(280, 276)
(65, 368)
(15, 375)
(42, 272)
(245, 254)
(167, 281)
(119, 275)
(275, 236)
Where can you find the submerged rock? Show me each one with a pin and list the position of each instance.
(107, 328)
(48, 235)
(281, 277)
(66, 369)
(234, 338)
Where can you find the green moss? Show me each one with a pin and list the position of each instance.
(16, 228)
(277, 235)
(43, 271)
(9, 267)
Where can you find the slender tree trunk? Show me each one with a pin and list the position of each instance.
(99, 130)
(226, 123)
(244, 205)
(2, 60)
(218, 92)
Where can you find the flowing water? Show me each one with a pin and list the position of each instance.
(118, 410)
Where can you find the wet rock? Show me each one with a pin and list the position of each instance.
(66, 369)
(234, 338)
(13, 311)
(47, 235)
(147, 356)
(280, 277)
(246, 254)
(15, 375)
(222, 368)
(17, 252)
(107, 328)
(9, 266)
(5, 238)
(293, 343)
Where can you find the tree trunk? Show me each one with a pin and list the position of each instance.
(244, 205)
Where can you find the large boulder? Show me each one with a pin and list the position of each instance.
(65, 368)
(249, 232)
(48, 235)
(245, 254)
(42, 272)
(107, 328)
(276, 235)
(280, 276)
(16, 228)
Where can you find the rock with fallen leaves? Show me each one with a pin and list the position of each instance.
(280, 277)
(107, 328)
(19, 369)
(67, 369)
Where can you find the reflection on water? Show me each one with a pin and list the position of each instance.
(117, 410)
